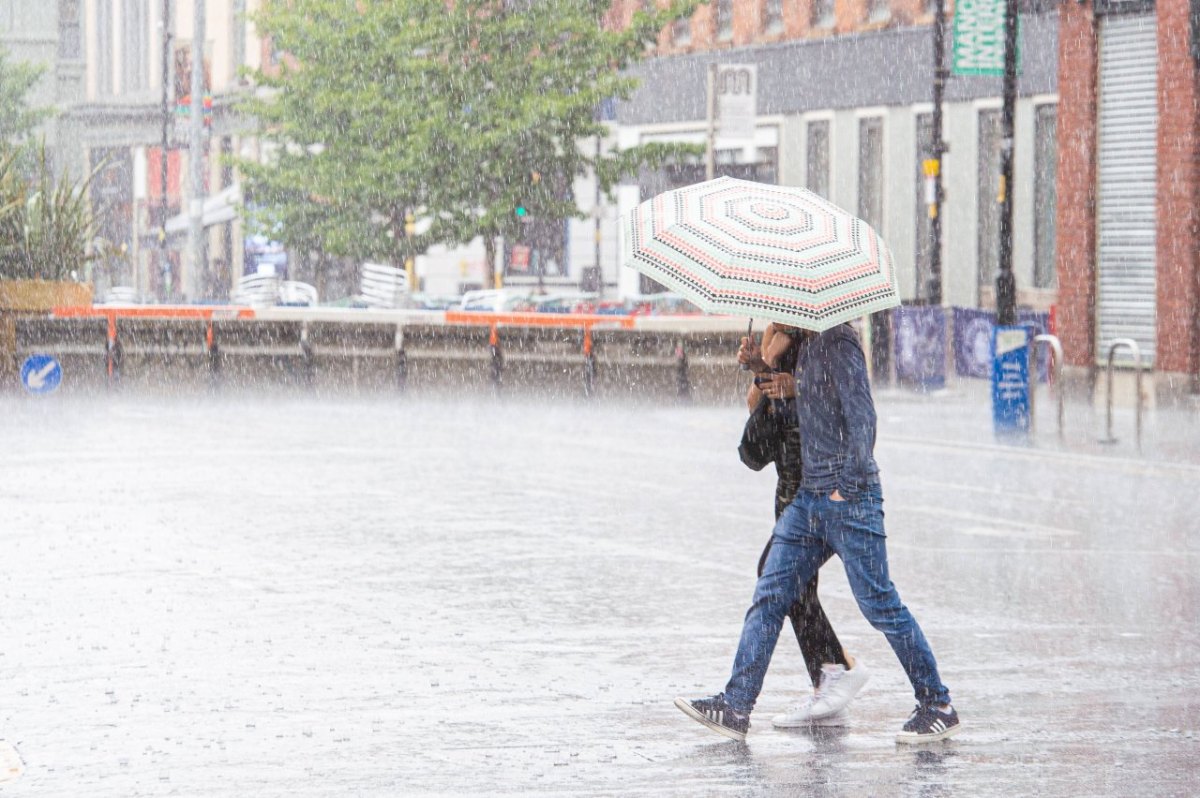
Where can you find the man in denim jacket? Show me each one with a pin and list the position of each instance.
(838, 510)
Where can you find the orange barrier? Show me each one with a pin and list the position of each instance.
(585, 320)
(155, 312)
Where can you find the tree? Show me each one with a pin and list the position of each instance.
(458, 112)
(17, 118)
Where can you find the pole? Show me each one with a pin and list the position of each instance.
(599, 199)
(940, 73)
(194, 282)
(710, 157)
(164, 265)
(1006, 286)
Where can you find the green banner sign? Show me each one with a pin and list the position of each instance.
(979, 37)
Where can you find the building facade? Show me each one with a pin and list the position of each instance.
(106, 68)
(50, 34)
(1129, 183)
(844, 103)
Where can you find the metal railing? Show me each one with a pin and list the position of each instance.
(1055, 378)
(1130, 344)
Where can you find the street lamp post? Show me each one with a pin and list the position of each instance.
(934, 169)
(195, 281)
(1006, 286)
(164, 264)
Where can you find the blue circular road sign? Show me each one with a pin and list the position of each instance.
(41, 374)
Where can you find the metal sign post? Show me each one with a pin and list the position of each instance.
(710, 154)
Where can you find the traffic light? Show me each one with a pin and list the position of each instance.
(522, 211)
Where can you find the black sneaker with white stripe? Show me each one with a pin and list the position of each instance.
(716, 714)
(928, 724)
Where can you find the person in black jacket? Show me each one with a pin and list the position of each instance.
(836, 675)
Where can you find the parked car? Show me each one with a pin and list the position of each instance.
(562, 303)
(664, 305)
(498, 300)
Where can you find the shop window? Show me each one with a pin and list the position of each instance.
(870, 172)
(724, 20)
(822, 14)
(988, 176)
(773, 17)
(1045, 196)
(817, 166)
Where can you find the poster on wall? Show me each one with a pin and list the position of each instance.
(973, 341)
(920, 346)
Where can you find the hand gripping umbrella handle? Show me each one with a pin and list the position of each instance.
(750, 335)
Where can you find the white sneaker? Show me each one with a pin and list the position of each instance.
(797, 717)
(838, 688)
(800, 717)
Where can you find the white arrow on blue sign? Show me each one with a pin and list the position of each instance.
(41, 374)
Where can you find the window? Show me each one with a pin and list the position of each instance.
(1045, 196)
(878, 11)
(724, 20)
(135, 50)
(870, 210)
(817, 177)
(104, 48)
(988, 227)
(681, 32)
(822, 14)
(70, 38)
(773, 17)
(870, 172)
(924, 244)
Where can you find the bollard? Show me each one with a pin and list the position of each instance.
(308, 368)
(1132, 345)
(497, 361)
(1056, 378)
(589, 365)
(401, 360)
(681, 373)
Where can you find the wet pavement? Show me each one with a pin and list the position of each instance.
(373, 596)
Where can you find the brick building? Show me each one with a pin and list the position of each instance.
(1128, 182)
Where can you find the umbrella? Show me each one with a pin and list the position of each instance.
(751, 249)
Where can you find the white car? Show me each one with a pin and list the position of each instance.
(499, 300)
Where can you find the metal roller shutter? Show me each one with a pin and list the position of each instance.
(1125, 219)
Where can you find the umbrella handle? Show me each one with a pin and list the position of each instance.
(750, 335)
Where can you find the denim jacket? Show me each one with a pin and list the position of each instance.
(836, 414)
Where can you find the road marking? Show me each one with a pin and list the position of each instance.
(1137, 467)
(993, 492)
(988, 525)
(1018, 534)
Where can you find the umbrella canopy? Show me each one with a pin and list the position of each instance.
(771, 252)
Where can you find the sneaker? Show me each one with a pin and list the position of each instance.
(717, 715)
(800, 717)
(928, 724)
(838, 688)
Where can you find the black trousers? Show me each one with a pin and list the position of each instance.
(818, 642)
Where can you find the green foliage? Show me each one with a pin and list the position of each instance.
(46, 223)
(17, 119)
(460, 112)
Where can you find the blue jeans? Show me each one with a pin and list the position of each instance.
(811, 530)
